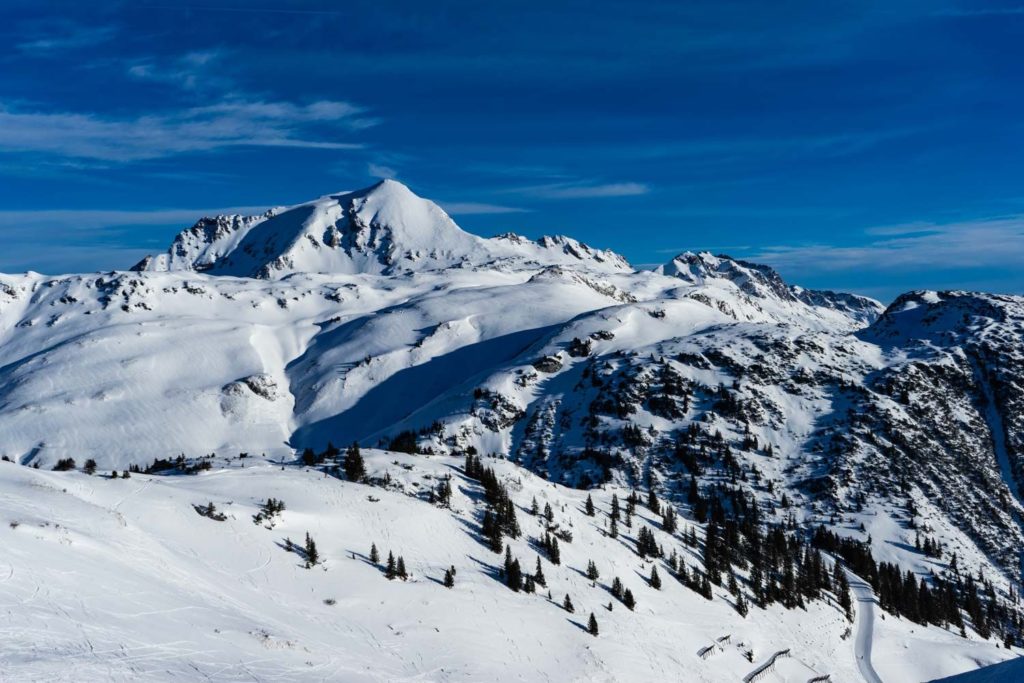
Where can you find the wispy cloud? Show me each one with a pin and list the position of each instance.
(191, 71)
(995, 243)
(62, 36)
(81, 221)
(381, 170)
(1017, 10)
(229, 123)
(470, 208)
(582, 190)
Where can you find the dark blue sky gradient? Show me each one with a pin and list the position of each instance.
(870, 146)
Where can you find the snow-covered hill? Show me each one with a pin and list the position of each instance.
(122, 579)
(371, 316)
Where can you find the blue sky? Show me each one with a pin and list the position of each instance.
(867, 146)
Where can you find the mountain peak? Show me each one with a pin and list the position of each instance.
(763, 283)
(383, 229)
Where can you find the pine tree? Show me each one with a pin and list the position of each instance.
(554, 553)
(538, 575)
(615, 508)
(592, 572)
(613, 531)
(590, 506)
(652, 502)
(617, 589)
(655, 579)
(392, 571)
(312, 556)
(444, 493)
(628, 600)
(355, 469)
(668, 520)
(548, 512)
(843, 589)
(402, 574)
(534, 509)
(449, 579)
(492, 532)
(567, 604)
(741, 605)
(514, 579)
(592, 625)
(374, 553)
(90, 466)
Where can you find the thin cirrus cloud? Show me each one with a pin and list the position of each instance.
(230, 123)
(582, 190)
(985, 243)
(65, 36)
(476, 208)
(191, 71)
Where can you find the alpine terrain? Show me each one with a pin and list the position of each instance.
(348, 441)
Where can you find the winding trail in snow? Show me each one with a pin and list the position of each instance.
(865, 627)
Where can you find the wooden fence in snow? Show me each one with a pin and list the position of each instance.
(762, 671)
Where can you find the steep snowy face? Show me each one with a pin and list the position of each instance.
(384, 229)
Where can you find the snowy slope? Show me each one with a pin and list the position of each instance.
(371, 316)
(112, 579)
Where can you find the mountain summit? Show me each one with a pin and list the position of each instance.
(384, 229)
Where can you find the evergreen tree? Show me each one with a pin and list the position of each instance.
(392, 571)
(592, 572)
(655, 579)
(514, 579)
(355, 469)
(590, 506)
(312, 556)
(617, 589)
(613, 530)
(538, 574)
(652, 502)
(843, 590)
(592, 625)
(549, 514)
(741, 605)
(534, 509)
(669, 520)
(449, 579)
(402, 574)
(615, 508)
(444, 493)
(567, 604)
(554, 553)
(628, 600)
(374, 554)
(492, 532)
(90, 466)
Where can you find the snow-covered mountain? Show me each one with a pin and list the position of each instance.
(370, 316)
(384, 229)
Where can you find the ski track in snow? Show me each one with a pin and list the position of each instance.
(865, 627)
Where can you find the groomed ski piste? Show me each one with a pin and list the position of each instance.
(107, 579)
